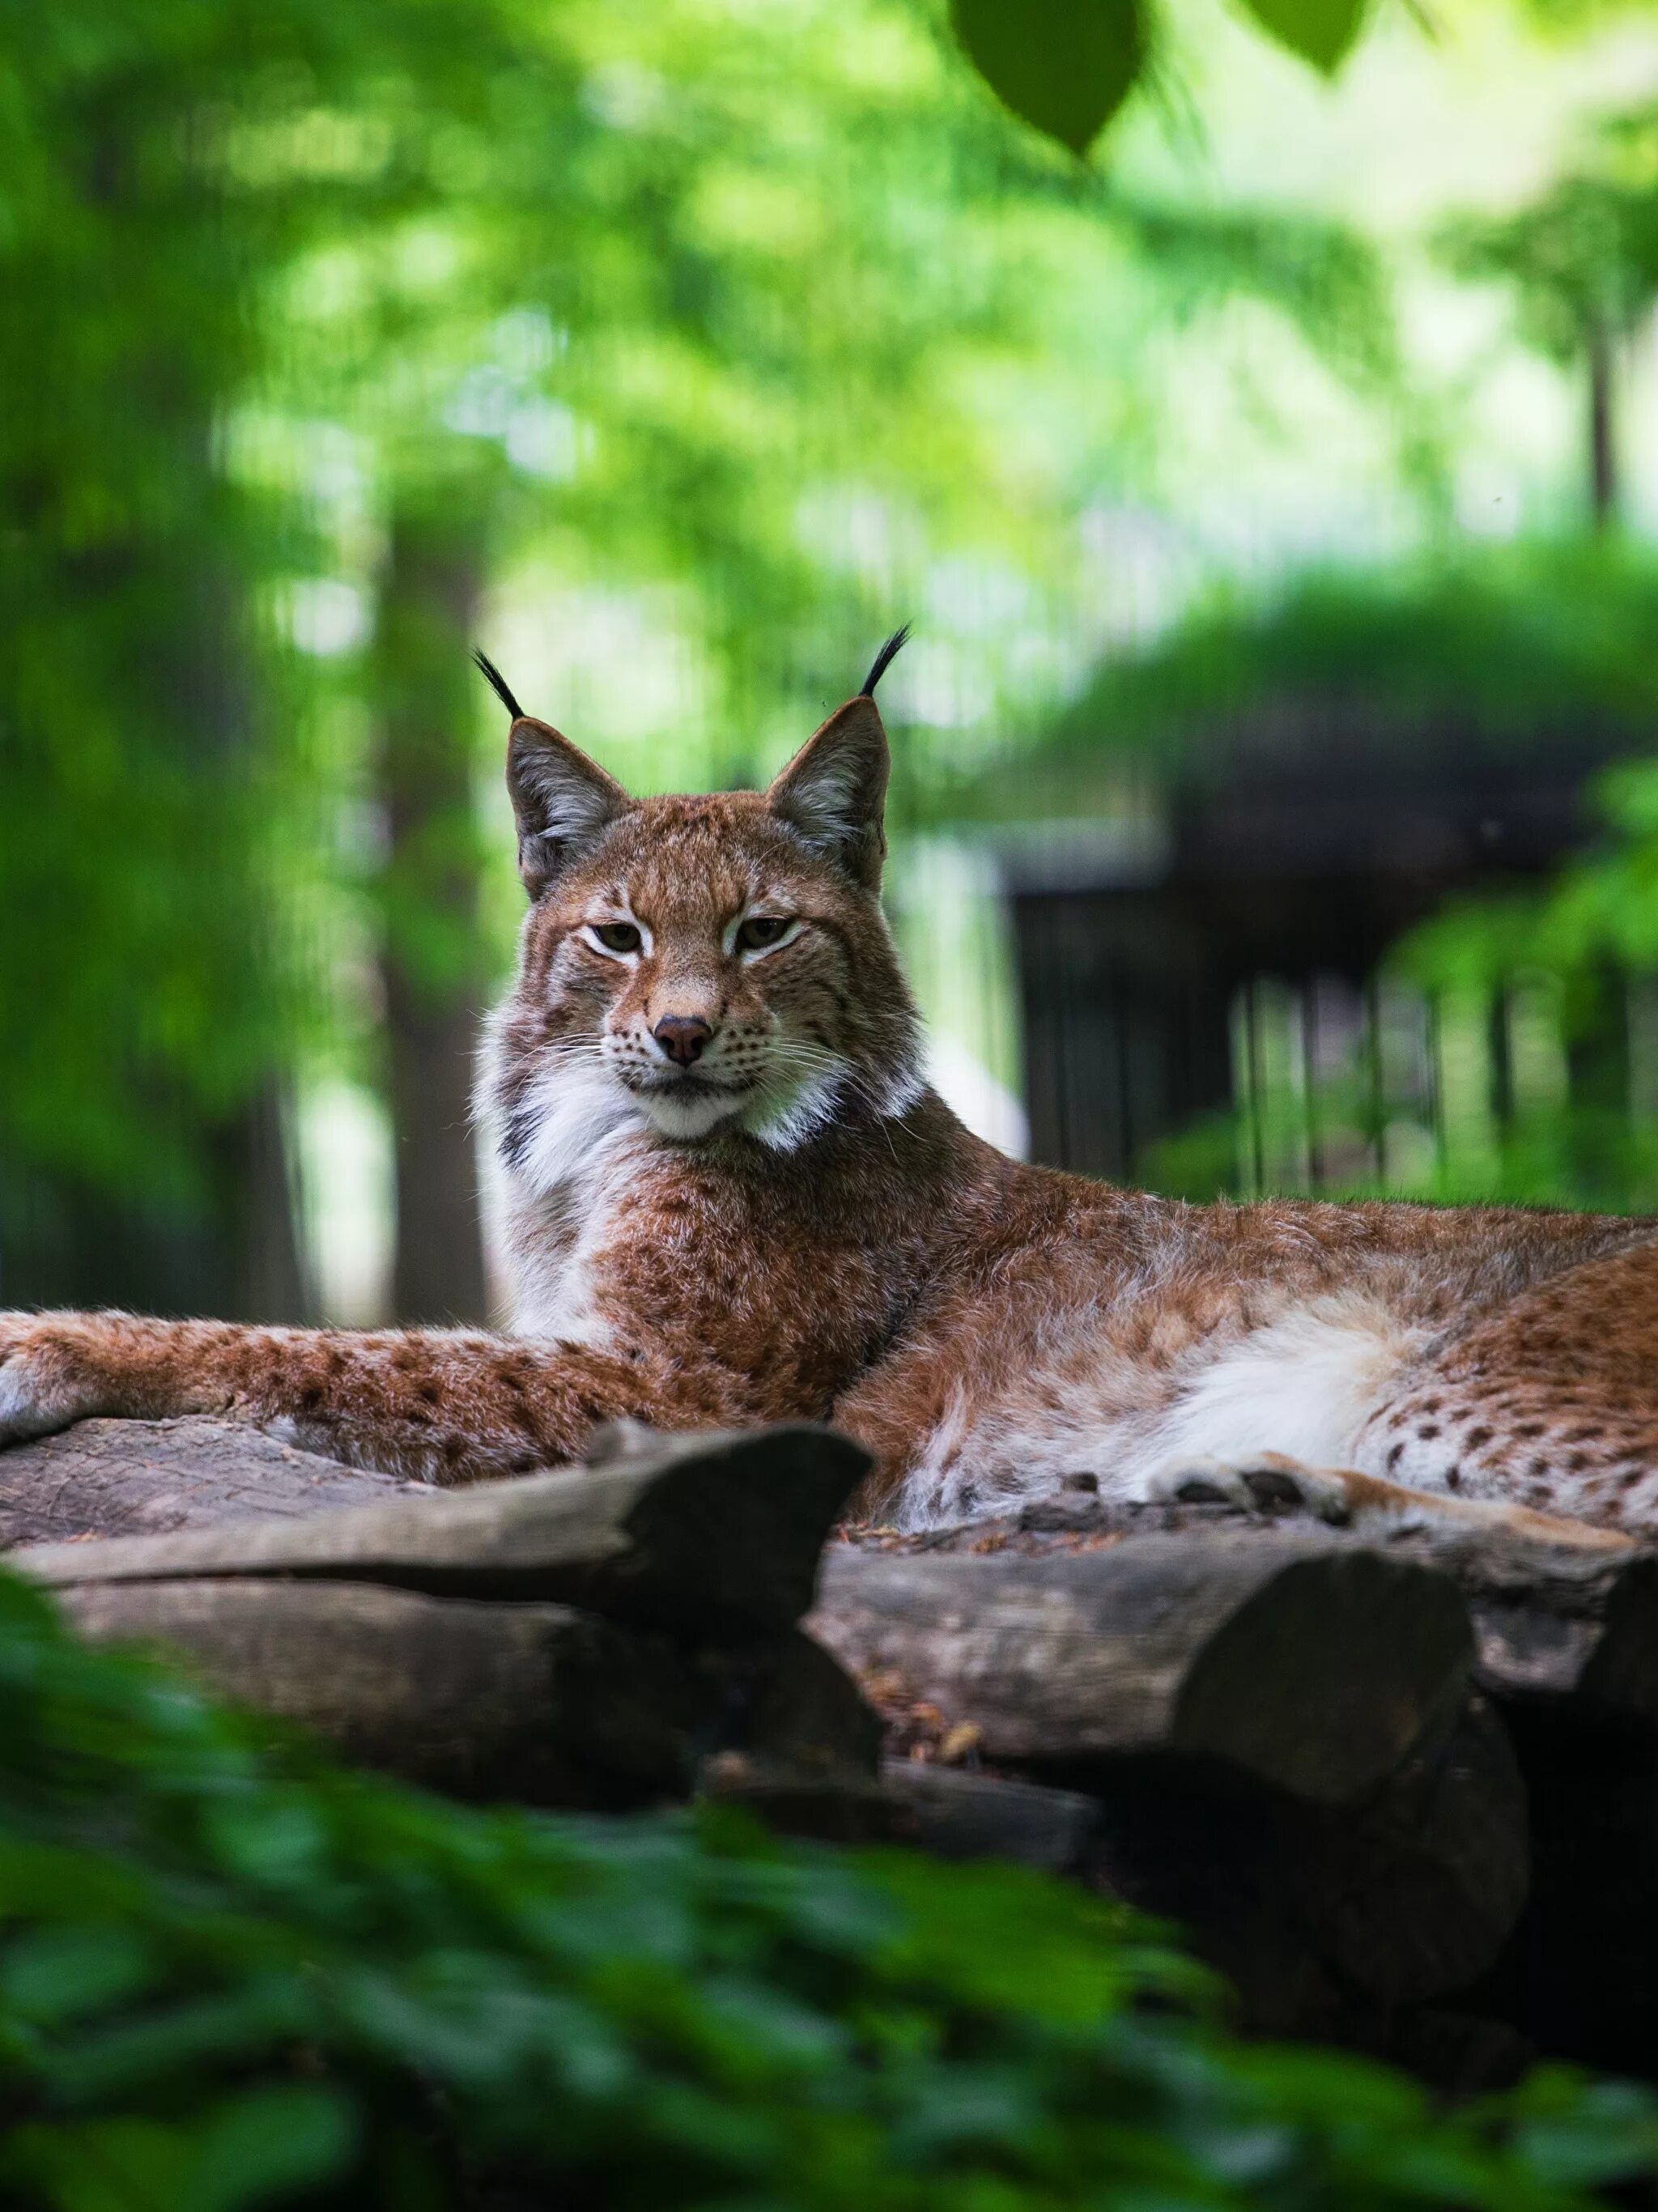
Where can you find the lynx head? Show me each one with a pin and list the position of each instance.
(700, 967)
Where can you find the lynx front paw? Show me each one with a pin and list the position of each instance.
(47, 1379)
(1267, 1482)
(1195, 1482)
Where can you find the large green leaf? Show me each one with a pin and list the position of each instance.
(1065, 65)
(1320, 31)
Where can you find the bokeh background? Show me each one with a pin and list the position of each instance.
(1276, 797)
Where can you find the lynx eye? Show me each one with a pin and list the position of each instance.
(760, 930)
(617, 936)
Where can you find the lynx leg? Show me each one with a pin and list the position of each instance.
(1550, 1402)
(434, 1406)
(1346, 1499)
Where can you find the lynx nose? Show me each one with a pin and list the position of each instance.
(682, 1036)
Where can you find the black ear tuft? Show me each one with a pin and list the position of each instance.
(884, 659)
(497, 684)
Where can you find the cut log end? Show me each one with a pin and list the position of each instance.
(1329, 1676)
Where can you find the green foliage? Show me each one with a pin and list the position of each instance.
(1521, 647)
(155, 171)
(231, 1975)
(1590, 936)
(1583, 257)
(736, 327)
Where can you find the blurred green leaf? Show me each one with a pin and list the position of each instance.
(268, 2146)
(1322, 32)
(1064, 66)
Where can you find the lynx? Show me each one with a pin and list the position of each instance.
(731, 1198)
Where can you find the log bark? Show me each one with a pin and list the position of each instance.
(1554, 1623)
(538, 1704)
(1327, 1918)
(1314, 1668)
(1416, 1894)
(956, 1814)
(708, 1534)
(941, 1810)
(789, 1706)
(1554, 1626)
(150, 1478)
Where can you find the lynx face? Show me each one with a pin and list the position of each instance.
(700, 966)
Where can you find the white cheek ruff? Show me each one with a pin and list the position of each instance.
(579, 1110)
(785, 1116)
(788, 1114)
(561, 1181)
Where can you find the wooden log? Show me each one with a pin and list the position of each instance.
(938, 1809)
(1558, 1627)
(1415, 1894)
(536, 1702)
(1198, 1843)
(1555, 1623)
(1325, 1917)
(709, 1533)
(789, 1706)
(956, 1814)
(821, 1808)
(150, 1477)
(1580, 1977)
(1314, 1666)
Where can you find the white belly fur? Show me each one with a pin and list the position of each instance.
(1304, 1385)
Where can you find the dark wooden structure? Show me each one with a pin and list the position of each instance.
(1314, 835)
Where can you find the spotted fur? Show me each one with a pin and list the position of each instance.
(730, 1197)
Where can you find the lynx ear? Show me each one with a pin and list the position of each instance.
(564, 801)
(834, 789)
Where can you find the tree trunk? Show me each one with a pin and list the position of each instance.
(1603, 454)
(133, 883)
(432, 956)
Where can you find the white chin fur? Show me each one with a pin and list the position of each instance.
(782, 1118)
(684, 1117)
